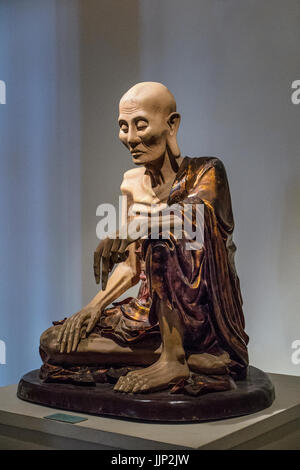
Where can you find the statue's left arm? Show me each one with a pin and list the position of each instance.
(205, 181)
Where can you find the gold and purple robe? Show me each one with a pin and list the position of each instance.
(201, 284)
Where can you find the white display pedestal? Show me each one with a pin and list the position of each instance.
(22, 426)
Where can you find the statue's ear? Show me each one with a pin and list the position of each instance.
(173, 123)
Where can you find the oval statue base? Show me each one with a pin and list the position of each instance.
(254, 393)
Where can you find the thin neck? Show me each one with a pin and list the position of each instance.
(163, 170)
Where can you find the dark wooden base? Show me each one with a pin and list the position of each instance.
(252, 394)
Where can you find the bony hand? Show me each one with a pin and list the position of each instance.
(75, 328)
(110, 251)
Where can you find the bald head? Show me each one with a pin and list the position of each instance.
(152, 95)
(148, 123)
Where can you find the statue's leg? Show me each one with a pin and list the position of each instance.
(179, 301)
(171, 365)
(96, 349)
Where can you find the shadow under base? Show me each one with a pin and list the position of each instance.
(252, 394)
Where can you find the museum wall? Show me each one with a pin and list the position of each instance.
(40, 275)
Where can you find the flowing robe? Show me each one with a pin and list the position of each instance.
(201, 284)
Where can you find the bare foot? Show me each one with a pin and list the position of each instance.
(209, 364)
(153, 378)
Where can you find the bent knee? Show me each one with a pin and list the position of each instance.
(159, 251)
(49, 339)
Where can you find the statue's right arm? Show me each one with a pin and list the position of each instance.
(124, 276)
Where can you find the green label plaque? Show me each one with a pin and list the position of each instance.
(66, 418)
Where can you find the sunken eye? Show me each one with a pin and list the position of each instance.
(141, 125)
(124, 128)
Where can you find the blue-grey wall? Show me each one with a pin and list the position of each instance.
(40, 274)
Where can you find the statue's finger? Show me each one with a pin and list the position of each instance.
(100, 247)
(71, 337)
(107, 247)
(64, 339)
(97, 258)
(113, 259)
(123, 246)
(89, 326)
(83, 332)
(91, 323)
(61, 332)
(67, 333)
(105, 272)
(76, 337)
(115, 245)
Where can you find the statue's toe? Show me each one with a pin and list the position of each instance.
(128, 387)
(136, 387)
(131, 376)
(130, 383)
(144, 388)
(138, 384)
(121, 387)
(118, 384)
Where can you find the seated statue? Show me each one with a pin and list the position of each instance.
(187, 319)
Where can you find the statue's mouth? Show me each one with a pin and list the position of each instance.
(137, 153)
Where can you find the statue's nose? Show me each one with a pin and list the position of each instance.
(133, 139)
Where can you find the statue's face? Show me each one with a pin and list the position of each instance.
(143, 130)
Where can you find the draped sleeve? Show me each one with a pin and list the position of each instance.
(204, 180)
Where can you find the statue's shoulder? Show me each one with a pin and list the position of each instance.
(198, 167)
(198, 164)
(209, 171)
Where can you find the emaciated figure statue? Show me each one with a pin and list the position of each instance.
(187, 320)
